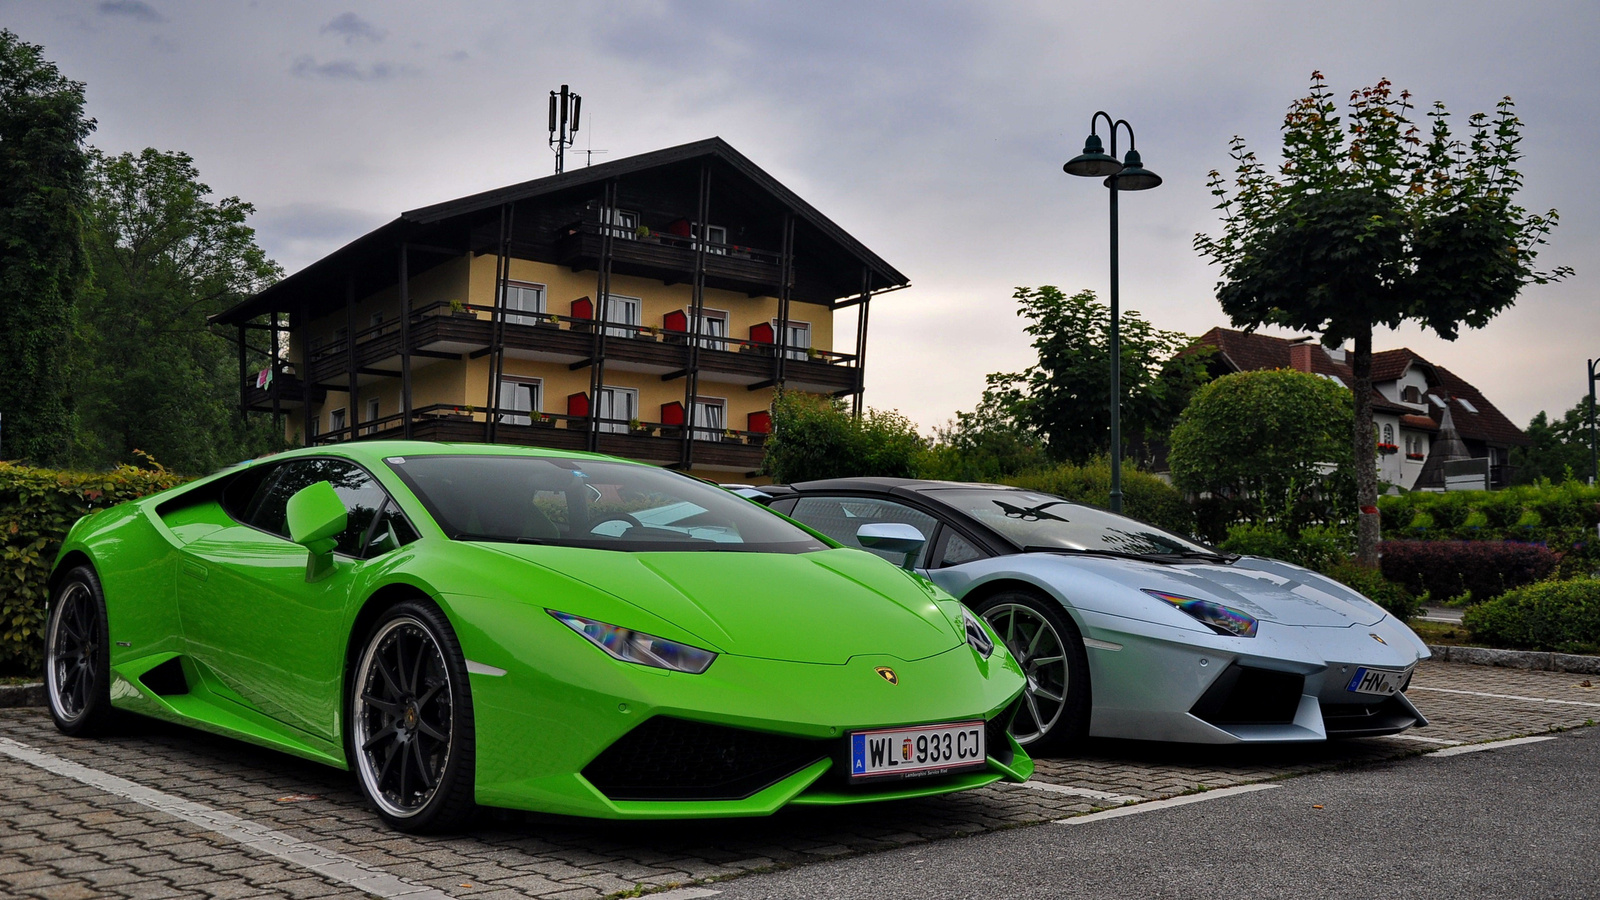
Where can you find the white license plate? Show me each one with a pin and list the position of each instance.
(917, 750)
(1378, 682)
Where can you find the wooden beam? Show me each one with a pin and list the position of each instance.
(581, 364)
(404, 290)
(436, 354)
(384, 372)
(673, 376)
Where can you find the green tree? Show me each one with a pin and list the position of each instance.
(1269, 445)
(814, 437)
(149, 375)
(43, 166)
(982, 445)
(1065, 396)
(1560, 448)
(1366, 223)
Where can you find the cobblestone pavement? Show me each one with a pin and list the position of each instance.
(62, 839)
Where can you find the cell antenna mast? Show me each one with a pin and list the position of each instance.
(564, 107)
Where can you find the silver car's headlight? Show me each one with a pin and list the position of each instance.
(1219, 618)
(637, 647)
(976, 636)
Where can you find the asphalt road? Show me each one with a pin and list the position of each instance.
(1516, 822)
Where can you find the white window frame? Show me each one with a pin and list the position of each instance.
(516, 314)
(608, 311)
(336, 420)
(623, 223)
(610, 393)
(710, 339)
(716, 422)
(512, 414)
(716, 238)
(374, 409)
(794, 350)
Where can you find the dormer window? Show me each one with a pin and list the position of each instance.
(1411, 394)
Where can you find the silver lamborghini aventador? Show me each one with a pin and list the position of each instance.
(1130, 631)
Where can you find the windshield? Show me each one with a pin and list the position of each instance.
(590, 503)
(1046, 522)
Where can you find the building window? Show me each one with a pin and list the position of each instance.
(373, 411)
(712, 325)
(523, 298)
(798, 339)
(615, 407)
(336, 422)
(716, 238)
(624, 311)
(710, 418)
(1411, 394)
(1388, 435)
(623, 223)
(377, 320)
(519, 400)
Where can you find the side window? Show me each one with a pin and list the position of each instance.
(361, 495)
(784, 505)
(840, 517)
(246, 490)
(955, 549)
(392, 532)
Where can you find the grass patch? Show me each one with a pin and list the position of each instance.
(9, 680)
(1443, 633)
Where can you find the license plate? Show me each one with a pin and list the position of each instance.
(917, 750)
(1378, 682)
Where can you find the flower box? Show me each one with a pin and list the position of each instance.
(1388, 448)
(1416, 456)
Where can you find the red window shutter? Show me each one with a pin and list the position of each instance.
(578, 404)
(762, 333)
(677, 320)
(760, 422)
(672, 413)
(583, 308)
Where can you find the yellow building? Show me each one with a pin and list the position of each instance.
(646, 307)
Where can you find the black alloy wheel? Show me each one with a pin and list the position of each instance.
(410, 730)
(77, 664)
(1047, 645)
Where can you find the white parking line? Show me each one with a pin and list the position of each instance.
(1088, 793)
(1504, 696)
(1425, 740)
(1492, 745)
(330, 865)
(684, 894)
(1168, 803)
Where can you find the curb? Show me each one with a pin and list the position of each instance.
(1518, 659)
(22, 695)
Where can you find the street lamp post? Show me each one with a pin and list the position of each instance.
(1126, 175)
(1594, 447)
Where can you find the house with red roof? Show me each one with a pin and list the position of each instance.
(1409, 400)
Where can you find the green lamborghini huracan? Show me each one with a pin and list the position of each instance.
(562, 632)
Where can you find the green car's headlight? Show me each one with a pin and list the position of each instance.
(1219, 618)
(637, 647)
(976, 636)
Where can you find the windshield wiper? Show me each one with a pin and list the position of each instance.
(496, 538)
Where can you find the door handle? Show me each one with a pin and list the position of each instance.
(195, 570)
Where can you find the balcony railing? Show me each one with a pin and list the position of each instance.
(669, 257)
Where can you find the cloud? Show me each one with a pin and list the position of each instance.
(353, 28)
(133, 9)
(349, 70)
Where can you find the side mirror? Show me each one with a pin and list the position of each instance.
(891, 537)
(316, 515)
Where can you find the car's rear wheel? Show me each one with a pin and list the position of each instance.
(1048, 646)
(411, 730)
(77, 662)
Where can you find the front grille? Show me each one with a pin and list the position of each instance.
(675, 759)
(1244, 695)
(1366, 720)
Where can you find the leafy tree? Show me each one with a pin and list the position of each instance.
(43, 165)
(1065, 396)
(1270, 445)
(1560, 448)
(1146, 497)
(1367, 223)
(149, 375)
(814, 437)
(982, 445)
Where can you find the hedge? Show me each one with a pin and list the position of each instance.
(37, 508)
(1562, 517)
(1559, 616)
(1326, 549)
(1144, 496)
(1450, 569)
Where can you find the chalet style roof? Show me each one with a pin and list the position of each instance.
(1240, 351)
(467, 224)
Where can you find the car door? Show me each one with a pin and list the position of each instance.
(250, 616)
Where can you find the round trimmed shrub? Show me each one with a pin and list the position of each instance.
(1559, 616)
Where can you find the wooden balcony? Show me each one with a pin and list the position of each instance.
(288, 390)
(671, 259)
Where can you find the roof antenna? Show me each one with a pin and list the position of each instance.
(564, 109)
(589, 151)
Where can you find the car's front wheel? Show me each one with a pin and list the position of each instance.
(77, 660)
(1046, 643)
(411, 730)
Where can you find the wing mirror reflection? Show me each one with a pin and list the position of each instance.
(316, 516)
(891, 537)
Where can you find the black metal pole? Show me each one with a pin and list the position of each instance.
(405, 342)
(1116, 349)
(1594, 446)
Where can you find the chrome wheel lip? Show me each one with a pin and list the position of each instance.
(360, 711)
(1030, 662)
(76, 593)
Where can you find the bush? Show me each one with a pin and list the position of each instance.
(37, 508)
(1563, 517)
(814, 437)
(1451, 569)
(1319, 547)
(1144, 496)
(1371, 584)
(1560, 616)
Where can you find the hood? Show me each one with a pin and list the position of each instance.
(822, 607)
(1272, 591)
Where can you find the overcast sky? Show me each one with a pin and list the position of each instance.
(934, 132)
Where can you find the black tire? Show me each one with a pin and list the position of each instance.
(409, 734)
(1055, 711)
(77, 662)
